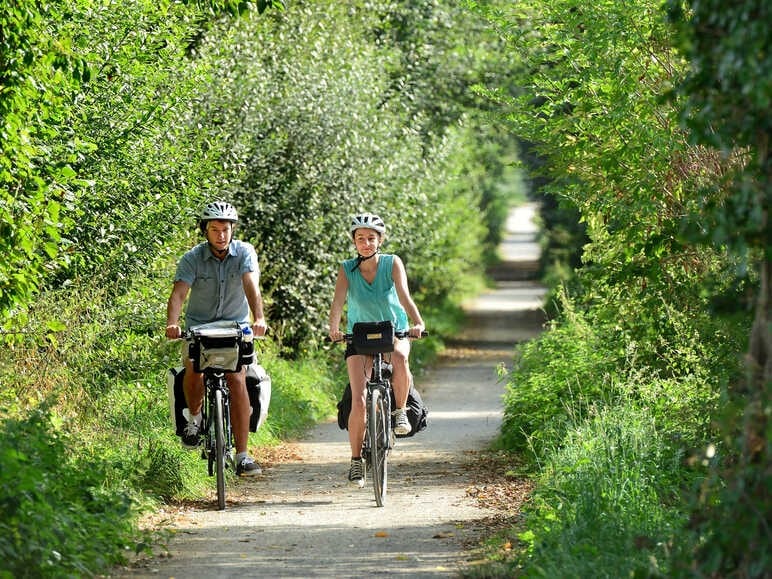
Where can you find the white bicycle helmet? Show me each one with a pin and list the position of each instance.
(219, 211)
(368, 221)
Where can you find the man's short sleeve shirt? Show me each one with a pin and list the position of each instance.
(216, 289)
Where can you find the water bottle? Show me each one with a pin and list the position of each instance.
(247, 346)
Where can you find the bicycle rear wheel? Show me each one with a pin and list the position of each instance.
(219, 454)
(377, 430)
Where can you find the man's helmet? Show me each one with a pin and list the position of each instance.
(368, 221)
(219, 211)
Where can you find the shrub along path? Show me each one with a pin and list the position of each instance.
(301, 519)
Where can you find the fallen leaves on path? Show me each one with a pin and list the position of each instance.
(497, 483)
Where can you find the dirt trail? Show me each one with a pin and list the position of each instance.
(301, 519)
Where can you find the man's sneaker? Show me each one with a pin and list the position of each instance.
(191, 435)
(356, 474)
(248, 467)
(401, 423)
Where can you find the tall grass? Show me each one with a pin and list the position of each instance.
(57, 516)
(599, 510)
(614, 416)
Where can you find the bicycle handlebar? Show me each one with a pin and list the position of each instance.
(400, 335)
(188, 335)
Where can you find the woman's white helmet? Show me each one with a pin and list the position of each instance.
(368, 221)
(217, 211)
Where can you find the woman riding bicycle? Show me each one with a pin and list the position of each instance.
(222, 277)
(374, 285)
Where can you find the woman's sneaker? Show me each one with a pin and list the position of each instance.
(248, 467)
(356, 474)
(401, 423)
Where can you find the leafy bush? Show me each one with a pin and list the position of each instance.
(599, 508)
(674, 362)
(567, 369)
(57, 517)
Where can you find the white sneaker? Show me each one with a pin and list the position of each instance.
(401, 423)
(191, 436)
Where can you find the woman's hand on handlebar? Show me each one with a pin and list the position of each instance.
(417, 331)
(336, 335)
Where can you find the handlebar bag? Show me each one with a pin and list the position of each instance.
(221, 353)
(373, 337)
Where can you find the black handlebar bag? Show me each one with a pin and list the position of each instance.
(373, 337)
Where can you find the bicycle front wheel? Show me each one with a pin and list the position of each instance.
(219, 454)
(377, 430)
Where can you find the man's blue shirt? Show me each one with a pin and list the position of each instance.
(216, 289)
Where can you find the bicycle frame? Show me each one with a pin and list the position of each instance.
(218, 445)
(379, 438)
(226, 356)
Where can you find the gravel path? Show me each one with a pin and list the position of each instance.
(301, 518)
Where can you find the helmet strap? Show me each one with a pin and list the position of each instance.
(219, 253)
(361, 258)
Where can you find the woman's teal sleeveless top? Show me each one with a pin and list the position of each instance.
(377, 301)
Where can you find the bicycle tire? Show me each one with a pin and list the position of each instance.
(377, 425)
(219, 454)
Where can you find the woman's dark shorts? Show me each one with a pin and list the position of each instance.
(350, 351)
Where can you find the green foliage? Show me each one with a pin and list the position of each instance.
(729, 79)
(58, 517)
(624, 119)
(600, 506)
(38, 71)
(729, 527)
(119, 119)
(98, 149)
(566, 370)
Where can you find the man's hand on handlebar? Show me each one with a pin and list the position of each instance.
(173, 332)
(259, 327)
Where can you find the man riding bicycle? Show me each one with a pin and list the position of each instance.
(374, 286)
(222, 276)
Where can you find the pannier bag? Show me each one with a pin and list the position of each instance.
(372, 337)
(258, 388)
(176, 398)
(344, 408)
(417, 412)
